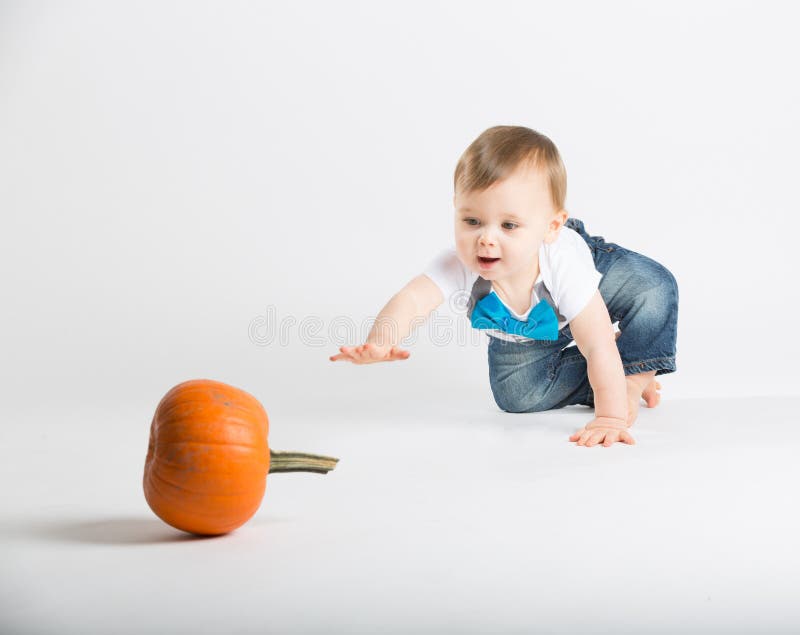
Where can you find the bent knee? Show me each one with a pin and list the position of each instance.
(643, 274)
(652, 285)
(666, 291)
(517, 403)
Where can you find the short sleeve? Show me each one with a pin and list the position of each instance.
(574, 277)
(448, 272)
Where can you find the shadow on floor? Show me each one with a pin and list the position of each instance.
(111, 531)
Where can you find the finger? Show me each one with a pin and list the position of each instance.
(627, 438)
(578, 433)
(371, 351)
(351, 352)
(591, 435)
(364, 353)
(611, 439)
(596, 437)
(355, 354)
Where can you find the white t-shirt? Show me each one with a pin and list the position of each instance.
(567, 281)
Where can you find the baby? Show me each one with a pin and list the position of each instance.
(535, 280)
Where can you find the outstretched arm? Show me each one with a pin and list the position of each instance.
(407, 309)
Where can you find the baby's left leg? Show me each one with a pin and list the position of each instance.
(641, 386)
(642, 295)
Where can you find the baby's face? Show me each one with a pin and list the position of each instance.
(508, 221)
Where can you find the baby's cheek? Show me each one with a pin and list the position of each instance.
(464, 257)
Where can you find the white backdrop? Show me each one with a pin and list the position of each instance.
(180, 181)
(169, 172)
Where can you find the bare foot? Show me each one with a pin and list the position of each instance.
(649, 394)
(651, 397)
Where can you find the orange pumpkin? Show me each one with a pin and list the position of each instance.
(208, 458)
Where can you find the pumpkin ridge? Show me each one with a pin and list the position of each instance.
(221, 495)
(156, 474)
(154, 490)
(223, 443)
(181, 467)
(166, 424)
(254, 469)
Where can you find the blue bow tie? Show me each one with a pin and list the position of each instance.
(491, 313)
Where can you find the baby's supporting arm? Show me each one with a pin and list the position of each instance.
(408, 308)
(594, 337)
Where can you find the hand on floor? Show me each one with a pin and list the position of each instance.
(607, 430)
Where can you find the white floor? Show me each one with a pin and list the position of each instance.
(447, 516)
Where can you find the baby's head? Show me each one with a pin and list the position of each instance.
(510, 186)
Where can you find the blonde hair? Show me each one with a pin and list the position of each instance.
(500, 150)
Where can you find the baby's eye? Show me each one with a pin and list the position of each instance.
(474, 221)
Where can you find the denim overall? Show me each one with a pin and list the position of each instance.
(640, 294)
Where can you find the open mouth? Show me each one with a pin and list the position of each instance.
(486, 263)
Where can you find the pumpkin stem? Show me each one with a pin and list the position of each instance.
(300, 462)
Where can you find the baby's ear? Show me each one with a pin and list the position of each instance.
(554, 228)
(552, 235)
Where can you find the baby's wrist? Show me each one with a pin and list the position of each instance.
(378, 345)
(604, 421)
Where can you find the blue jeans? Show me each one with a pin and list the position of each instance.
(640, 294)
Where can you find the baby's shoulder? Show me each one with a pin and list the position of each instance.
(568, 245)
(447, 270)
